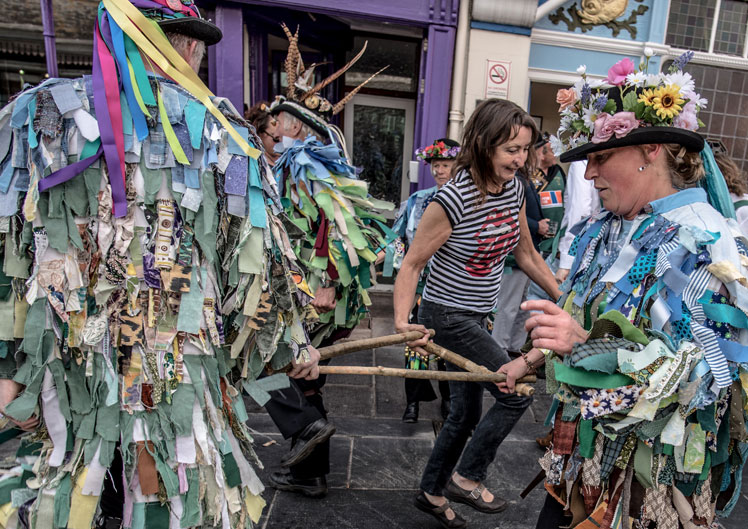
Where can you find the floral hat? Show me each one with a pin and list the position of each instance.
(441, 149)
(629, 107)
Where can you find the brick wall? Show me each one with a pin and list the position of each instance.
(74, 19)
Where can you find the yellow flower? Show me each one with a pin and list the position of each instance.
(647, 96)
(667, 101)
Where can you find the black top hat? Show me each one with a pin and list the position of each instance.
(692, 141)
(197, 28)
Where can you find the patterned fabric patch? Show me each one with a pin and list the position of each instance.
(597, 402)
(611, 451)
(643, 265)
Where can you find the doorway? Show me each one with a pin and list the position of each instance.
(379, 136)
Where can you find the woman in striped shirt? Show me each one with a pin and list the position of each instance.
(472, 224)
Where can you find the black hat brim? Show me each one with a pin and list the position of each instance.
(692, 141)
(318, 128)
(197, 28)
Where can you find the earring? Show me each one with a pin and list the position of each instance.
(643, 167)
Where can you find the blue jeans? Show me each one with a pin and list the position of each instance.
(464, 332)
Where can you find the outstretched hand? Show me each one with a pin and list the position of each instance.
(553, 328)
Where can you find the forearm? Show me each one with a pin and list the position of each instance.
(405, 290)
(532, 264)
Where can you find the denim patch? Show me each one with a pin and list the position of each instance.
(6, 133)
(183, 136)
(192, 178)
(233, 146)
(236, 176)
(21, 180)
(65, 97)
(173, 103)
(155, 148)
(6, 174)
(20, 148)
(177, 179)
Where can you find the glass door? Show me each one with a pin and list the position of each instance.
(379, 135)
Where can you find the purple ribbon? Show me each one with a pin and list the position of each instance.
(68, 172)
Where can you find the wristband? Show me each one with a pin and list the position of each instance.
(530, 368)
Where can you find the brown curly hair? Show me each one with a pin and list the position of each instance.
(734, 176)
(686, 168)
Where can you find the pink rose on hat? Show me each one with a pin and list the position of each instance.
(618, 72)
(565, 98)
(619, 124)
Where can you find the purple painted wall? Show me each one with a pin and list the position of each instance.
(228, 55)
(411, 12)
(437, 17)
(433, 102)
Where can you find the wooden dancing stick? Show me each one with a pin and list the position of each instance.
(342, 348)
(521, 388)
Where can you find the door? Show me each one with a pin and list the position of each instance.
(379, 136)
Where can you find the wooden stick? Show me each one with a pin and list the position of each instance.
(489, 376)
(454, 358)
(368, 343)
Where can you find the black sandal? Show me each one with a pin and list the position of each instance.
(439, 512)
(474, 498)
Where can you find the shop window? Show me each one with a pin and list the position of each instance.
(691, 26)
(401, 57)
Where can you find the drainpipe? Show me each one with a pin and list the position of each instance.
(545, 9)
(50, 49)
(459, 74)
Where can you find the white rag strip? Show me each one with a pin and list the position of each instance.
(53, 419)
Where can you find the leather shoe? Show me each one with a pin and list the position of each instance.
(474, 498)
(545, 441)
(439, 512)
(311, 487)
(313, 434)
(411, 412)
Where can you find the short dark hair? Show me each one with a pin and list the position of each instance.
(494, 122)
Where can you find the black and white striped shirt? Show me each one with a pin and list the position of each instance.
(466, 271)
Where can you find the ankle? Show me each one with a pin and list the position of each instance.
(464, 482)
(435, 500)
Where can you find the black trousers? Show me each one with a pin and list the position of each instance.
(552, 515)
(291, 411)
(299, 405)
(420, 390)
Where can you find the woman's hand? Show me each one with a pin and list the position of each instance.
(553, 328)
(513, 370)
(416, 345)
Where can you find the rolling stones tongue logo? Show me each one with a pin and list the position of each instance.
(496, 237)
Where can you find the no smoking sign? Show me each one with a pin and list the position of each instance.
(497, 79)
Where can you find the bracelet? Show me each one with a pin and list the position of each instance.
(530, 368)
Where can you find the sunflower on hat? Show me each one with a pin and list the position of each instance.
(627, 100)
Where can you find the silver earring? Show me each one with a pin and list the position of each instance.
(643, 167)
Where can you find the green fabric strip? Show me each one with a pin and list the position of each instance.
(587, 437)
(582, 378)
(62, 502)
